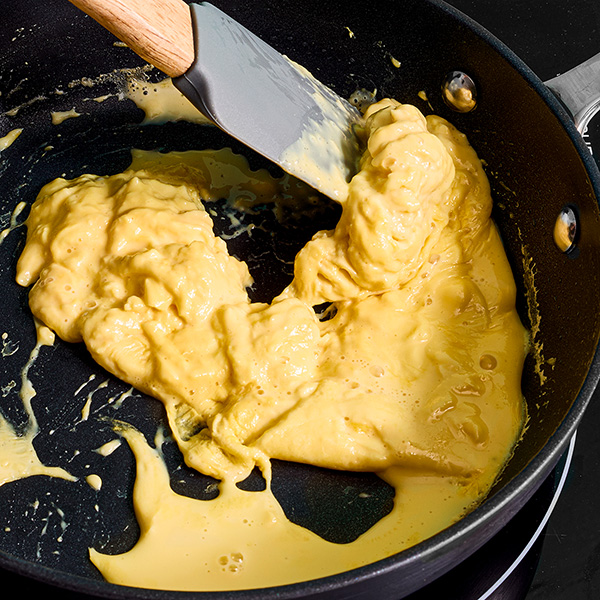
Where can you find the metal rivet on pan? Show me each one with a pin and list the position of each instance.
(459, 92)
(565, 229)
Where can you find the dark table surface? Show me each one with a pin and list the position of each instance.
(551, 36)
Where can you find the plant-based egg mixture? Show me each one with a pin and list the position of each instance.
(412, 372)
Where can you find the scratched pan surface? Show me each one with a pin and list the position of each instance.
(537, 164)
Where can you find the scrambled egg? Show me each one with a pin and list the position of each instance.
(416, 375)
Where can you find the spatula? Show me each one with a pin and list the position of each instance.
(243, 85)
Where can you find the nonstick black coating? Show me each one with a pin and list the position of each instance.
(536, 164)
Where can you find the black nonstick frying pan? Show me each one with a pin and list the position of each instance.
(537, 164)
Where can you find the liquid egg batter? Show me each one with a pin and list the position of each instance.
(414, 373)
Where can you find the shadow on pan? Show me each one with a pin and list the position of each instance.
(537, 164)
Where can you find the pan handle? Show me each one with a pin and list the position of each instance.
(579, 91)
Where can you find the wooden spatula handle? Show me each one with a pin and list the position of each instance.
(160, 31)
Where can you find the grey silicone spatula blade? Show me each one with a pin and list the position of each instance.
(260, 97)
(243, 85)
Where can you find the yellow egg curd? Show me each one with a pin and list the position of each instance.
(415, 375)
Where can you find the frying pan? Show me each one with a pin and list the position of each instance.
(537, 163)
